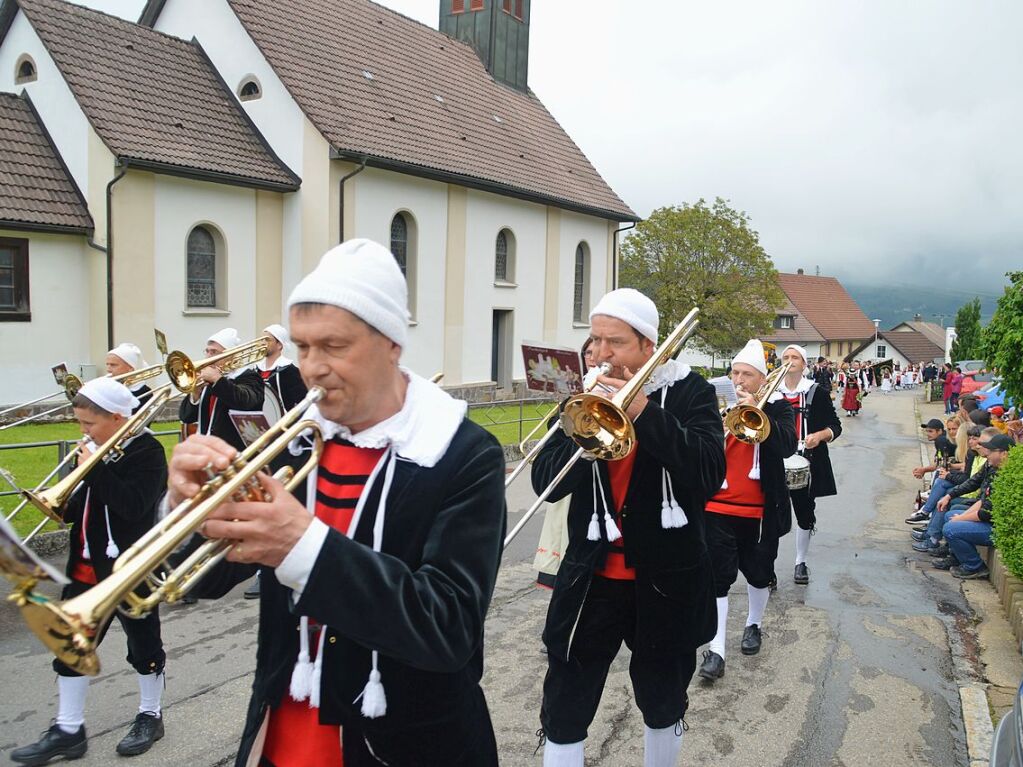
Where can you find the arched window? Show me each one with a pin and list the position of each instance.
(581, 296)
(403, 246)
(249, 89)
(25, 70)
(202, 269)
(504, 257)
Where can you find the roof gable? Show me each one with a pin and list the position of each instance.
(931, 330)
(827, 306)
(154, 100)
(382, 87)
(801, 332)
(913, 345)
(36, 189)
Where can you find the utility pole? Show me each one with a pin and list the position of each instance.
(941, 318)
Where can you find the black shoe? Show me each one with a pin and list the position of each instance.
(751, 640)
(969, 575)
(188, 599)
(713, 666)
(919, 535)
(801, 574)
(773, 583)
(944, 564)
(145, 731)
(927, 545)
(917, 516)
(920, 529)
(940, 551)
(252, 592)
(54, 742)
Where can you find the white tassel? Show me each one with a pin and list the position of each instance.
(374, 701)
(724, 484)
(301, 676)
(754, 473)
(678, 516)
(593, 532)
(613, 534)
(665, 515)
(672, 515)
(112, 551)
(314, 680)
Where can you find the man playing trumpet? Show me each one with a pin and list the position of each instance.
(375, 589)
(636, 568)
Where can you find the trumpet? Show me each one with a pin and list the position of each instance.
(749, 423)
(600, 427)
(69, 629)
(184, 373)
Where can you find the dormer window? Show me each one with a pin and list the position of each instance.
(784, 322)
(249, 90)
(25, 70)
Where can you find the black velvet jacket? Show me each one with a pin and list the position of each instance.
(821, 416)
(129, 489)
(421, 603)
(779, 445)
(674, 593)
(243, 392)
(286, 381)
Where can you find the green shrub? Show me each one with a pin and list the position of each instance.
(1007, 500)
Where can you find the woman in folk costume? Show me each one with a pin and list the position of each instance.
(127, 358)
(112, 508)
(886, 381)
(636, 568)
(851, 398)
(374, 590)
(749, 511)
(817, 424)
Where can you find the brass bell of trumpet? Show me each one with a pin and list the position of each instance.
(749, 423)
(184, 373)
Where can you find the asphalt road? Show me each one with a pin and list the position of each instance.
(858, 668)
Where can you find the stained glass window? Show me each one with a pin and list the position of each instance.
(202, 268)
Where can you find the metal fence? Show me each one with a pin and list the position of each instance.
(517, 416)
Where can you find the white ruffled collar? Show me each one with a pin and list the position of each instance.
(665, 375)
(800, 388)
(420, 432)
(281, 362)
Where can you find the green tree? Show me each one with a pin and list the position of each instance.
(705, 256)
(1002, 341)
(966, 345)
(1007, 511)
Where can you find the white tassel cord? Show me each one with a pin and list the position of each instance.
(112, 551)
(317, 675)
(302, 675)
(754, 473)
(613, 533)
(86, 554)
(593, 531)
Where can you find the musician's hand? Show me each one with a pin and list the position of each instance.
(265, 531)
(639, 401)
(745, 397)
(211, 374)
(186, 471)
(812, 440)
(83, 450)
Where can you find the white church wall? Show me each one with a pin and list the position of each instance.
(50, 95)
(181, 204)
(59, 328)
(576, 229)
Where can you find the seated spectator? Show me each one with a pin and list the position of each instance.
(929, 539)
(971, 528)
(944, 452)
(967, 405)
(981, 417)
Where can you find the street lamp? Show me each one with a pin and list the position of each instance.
(877, 324)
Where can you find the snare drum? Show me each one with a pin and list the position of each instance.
(797, 472)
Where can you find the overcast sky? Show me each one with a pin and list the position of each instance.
(875, 139)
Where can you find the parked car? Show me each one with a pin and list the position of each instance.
(974, 380)
(1007, 747)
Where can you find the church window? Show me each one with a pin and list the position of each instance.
(580, 298)
(25, 70)
(403, 246)
(249, 89)
(202, 269)
(504, 257)
(14, 296)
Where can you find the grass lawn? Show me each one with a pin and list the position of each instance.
(503, 420)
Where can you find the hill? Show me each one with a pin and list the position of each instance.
(893, 303)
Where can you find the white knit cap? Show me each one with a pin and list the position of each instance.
(362, 277)
(798, 349)
(279, 332)
(632, 307)
(752, 354)
(130, 353)
(228, 338)
(110, 395)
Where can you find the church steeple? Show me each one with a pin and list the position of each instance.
(497, 29)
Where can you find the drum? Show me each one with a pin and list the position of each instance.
(797, 472)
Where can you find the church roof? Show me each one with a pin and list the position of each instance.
(380, 86)
(827, 306)
(155, 101)
(36, 189)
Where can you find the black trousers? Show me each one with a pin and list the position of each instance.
(572, 689)
(734, 545)
(145, 648)
(805, 506)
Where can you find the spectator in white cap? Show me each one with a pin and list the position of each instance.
(632, 524)
(126, 358)
(751, 509)
(209, 407)
(113, 507)
(375, 588)
(817, 424)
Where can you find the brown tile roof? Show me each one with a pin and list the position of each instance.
(155, 100)
(801, 332)
(913, 345)
(36, 190)
(378, 84)
(827, 306)
(931, 330)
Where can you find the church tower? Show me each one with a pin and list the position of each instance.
(497, 29)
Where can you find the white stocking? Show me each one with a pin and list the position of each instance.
(563, 754)
(71, 707)
(150, 692)
(757, 605)
(717, 644)
(661, 747)
(802, 545)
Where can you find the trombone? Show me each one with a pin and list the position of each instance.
(749, 423)
(184, 373)
(600, 427)
(69, 629)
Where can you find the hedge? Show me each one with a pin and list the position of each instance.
(1007, 516)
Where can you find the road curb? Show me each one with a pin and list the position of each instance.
(977, 720)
